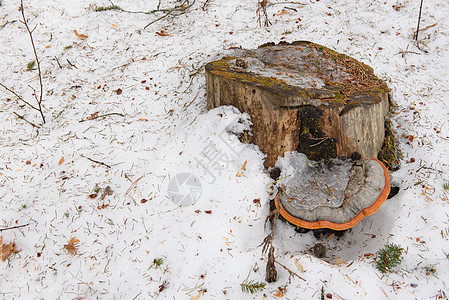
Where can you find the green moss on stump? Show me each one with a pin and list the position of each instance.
(390, 154)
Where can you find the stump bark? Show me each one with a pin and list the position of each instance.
(303, 97)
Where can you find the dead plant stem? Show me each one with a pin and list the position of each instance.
(30, 33)
(14, 227)
(181, 7)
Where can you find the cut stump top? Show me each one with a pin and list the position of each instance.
(312, 74)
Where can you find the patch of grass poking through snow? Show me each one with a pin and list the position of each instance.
(446, 186)
(157, 262)
(388, 257)
(430, 270)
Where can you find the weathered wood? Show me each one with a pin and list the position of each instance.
(303, 97)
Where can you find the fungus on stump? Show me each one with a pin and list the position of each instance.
(336, 195)
(303, 97)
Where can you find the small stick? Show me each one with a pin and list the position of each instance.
(57, 60)
(23, 118)
(170, 11)
(419, 21)
(14, 227)
(105, 115)
(287, 269)
(18, 96)
(96, 161)
(72, 65)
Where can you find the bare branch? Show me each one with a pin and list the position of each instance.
(23, 118)
(30, 32)
(181, 7)
(14, 227)
(18, 96)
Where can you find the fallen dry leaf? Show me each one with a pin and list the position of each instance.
(239, 174)
(278, 294)
(93, 116)
(81, 36)
(198, 296)
(103, 206)
(61, 161)
(283, 12)
(161, 33)
(72, 246)
(6, 250)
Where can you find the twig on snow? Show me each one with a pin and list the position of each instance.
(96, 161)
(290, 271)
(38, 100)
(100, 116)
(23, 118)
(30, 33)
(417, 29)
(181, 7)
(14, 227)
(419, 21)
(18, 96)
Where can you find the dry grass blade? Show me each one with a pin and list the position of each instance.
(6, 250)
(72, 246)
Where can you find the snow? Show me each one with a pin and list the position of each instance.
(161, 127)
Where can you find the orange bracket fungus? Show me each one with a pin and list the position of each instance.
(335, 195)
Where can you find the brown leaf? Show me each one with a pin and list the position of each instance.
(81, 36)
(409, 137)
(6, 250)
(93, 116)
(102, 206)
(208, 212)
(92, 196)
(61, 161)
(278, 294)
(118, 91)
(162, 33)
(201, 292)
(72, 246)
(283, 12)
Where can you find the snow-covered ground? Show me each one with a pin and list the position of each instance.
(136, 243)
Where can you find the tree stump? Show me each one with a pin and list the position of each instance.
(303, 97)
